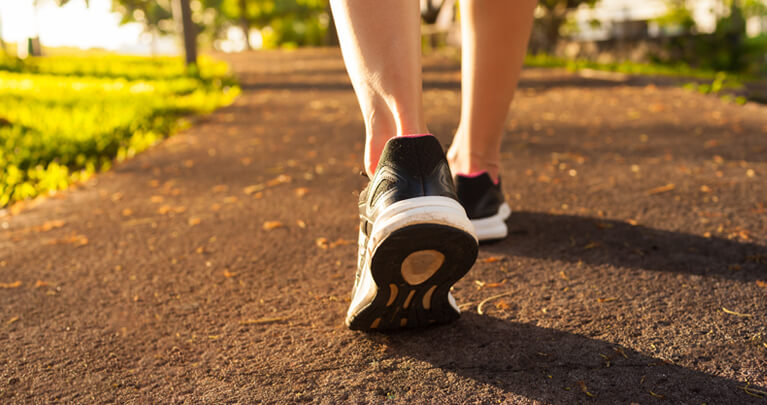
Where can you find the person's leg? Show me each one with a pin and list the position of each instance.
(381, 45)
(494, 42)
(415, 239)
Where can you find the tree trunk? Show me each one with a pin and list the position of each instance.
(2, 42)
(430, 13)
(429, 16)
(245, 23)
(331, 35)
(552, 22)
(35, 48)
(183, 14)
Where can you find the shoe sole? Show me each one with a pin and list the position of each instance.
(493, 227)
(407, 280)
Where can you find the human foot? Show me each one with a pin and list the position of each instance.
(485, 204)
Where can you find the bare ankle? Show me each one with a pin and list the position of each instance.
(470, 163)
(374, 147)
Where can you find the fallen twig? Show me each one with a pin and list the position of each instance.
(263, 320)
(486, 300)
(727, 311)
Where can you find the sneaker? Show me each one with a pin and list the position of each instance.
(415, 240)
(483, 200)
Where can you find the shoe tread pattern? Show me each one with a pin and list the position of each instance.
(460, 252)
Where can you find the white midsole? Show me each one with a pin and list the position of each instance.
(419, 210)
(493, 227)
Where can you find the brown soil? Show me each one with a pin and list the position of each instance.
(636, 269)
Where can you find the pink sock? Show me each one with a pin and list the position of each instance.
(413, 135)
(477, 174)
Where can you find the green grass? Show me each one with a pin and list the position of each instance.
(726, 84)
(657, 69)
(64, 118)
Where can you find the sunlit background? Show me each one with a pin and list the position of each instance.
(74, 25)
(97, 25)
(77, 91)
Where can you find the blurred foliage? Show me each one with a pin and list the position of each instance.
(722, 84)
(549, 25)
(678, 15)
(730, 86)
(656, 69)
(290, 20)
(156, 15)
(728, 48)
(283, 23)
(64, 118)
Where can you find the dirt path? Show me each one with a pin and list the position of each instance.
(635, 270)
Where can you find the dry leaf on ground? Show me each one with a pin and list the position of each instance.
(494, 285)
(79, 240)
(281, 179)
(48, 225)
(662, 189)
(340, 242)
(15, 284)
(502, 304)
(253, 189)
(585, 389)
(269, 225)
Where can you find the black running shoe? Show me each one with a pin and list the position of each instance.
(485, 204)
(415, 240)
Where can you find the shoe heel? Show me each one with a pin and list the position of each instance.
(414, 266)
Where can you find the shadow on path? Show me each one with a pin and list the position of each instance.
(600, 241)
(558, 367)
(336, 79)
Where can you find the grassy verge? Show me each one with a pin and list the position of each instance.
(64, 118)
(727, 85)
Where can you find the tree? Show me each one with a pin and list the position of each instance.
(554, 16)
(154, 15)
(162, 17)
(3, 47)
(290, 20)
(183, 15)
(678, 15)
